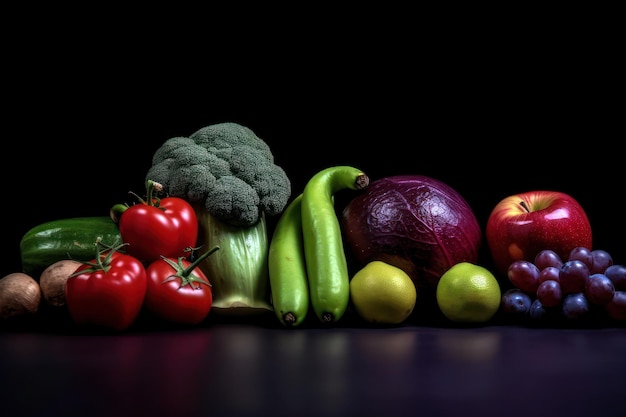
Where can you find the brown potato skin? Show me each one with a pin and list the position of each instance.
(20, 295)
(52, 281)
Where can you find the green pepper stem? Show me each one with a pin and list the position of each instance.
(153, 188)
(116, 212)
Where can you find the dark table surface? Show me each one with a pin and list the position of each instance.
(240, 367)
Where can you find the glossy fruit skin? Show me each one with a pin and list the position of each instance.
(524, 275)
(599, 289)
(381, 293)
(549, 293)
(575, 306)
(167, 230)
(538, 311)
(414, 222)
(547, 258)
(617, 274)
(550, 273)
(516, 303)
(111, 297)
(573, 276)
(601, 260)
(582, 254)
(175, 294)
(522, 225)
(468, 293)
(616, 308)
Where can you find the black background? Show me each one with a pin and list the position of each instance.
(489, 113)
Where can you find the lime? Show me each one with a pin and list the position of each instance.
(382, 293)
(468, 293)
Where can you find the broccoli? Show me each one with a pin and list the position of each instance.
(226, 167)
(228, 175)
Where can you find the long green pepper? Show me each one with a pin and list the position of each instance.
(287, 267)
(327, 269)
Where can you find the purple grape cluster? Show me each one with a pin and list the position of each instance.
(587, 286)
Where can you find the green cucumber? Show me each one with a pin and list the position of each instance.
(71, 238)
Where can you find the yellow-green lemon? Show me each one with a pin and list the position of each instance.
(468, 293)
(382, 293)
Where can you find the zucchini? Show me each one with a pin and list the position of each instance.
(71, 238)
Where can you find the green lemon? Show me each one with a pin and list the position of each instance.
(468, 293)
(382, 293)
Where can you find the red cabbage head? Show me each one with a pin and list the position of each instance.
(414, 222)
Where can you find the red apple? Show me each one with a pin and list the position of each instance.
(522, 225)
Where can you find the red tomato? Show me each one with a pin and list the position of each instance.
(178, 291)
(108, 291)
(158, 227)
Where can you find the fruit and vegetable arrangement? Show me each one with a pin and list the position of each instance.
(196, 244)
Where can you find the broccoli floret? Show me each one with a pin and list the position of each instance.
(227, 168)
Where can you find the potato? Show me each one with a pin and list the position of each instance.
(20, 295)
(52, 281)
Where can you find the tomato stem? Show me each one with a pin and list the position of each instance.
(102, 262)
(186, 274)
(199, 259)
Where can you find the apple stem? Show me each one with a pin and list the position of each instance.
(523, 204)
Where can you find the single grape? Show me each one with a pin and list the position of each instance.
(617, 274)
(549, 273)
(549, 293)
(537, 310)
(599, 289)
(515, 302)
(524, 275)
(601, 260)
(582, 254)
(575, 306)
(573, 276)
(548, 257)
(616, 308)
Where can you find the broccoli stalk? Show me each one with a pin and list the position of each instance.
(240, 279)
(228, 175)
